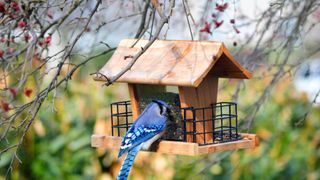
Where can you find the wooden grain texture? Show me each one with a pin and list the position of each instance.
(167, 147)
(172, 62)
(134, 101)
(179, 148)
(253, 137)
(199, 97)
(240, 144)
(249, 141)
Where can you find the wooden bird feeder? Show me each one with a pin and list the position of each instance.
(199, 123)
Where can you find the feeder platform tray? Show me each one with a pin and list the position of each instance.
(248, 141)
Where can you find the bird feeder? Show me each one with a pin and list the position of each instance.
(199, 124)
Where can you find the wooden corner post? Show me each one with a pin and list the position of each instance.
(134, 100)
(202, 96)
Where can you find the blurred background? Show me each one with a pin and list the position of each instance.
(277, 40)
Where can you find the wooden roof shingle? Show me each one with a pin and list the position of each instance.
(173, 62)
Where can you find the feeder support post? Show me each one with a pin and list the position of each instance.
(134, 100)
(199, 97)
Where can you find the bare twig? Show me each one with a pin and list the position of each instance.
(187, 13)
(163, 21)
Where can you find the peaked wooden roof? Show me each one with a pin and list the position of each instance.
(172, 62)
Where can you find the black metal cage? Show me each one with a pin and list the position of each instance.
(220, 118)
(209, 125)
(121, 117)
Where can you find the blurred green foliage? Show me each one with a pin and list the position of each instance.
(58, 147)
(289, 147)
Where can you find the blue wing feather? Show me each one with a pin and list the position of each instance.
(136, 136)
(145, 127)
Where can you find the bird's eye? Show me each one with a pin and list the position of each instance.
(161, 109)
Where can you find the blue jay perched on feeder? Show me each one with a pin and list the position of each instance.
(148, 128)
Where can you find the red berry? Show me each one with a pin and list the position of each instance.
(48, 39)
(5, 106)
(22, 24)
(27, 37)
(15, 6)
(217, 23)
(2, 7)
(221, 7)
(1, 53)
(206, 28)
(13, 91)
(27, 92)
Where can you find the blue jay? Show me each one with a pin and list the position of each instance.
(148, 128)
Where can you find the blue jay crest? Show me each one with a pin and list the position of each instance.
(148, 128)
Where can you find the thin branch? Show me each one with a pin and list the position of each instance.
(143, 20)
(187, 13)
(163, 21)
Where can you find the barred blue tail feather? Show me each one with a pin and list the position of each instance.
(127, 163)
(148, 127)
